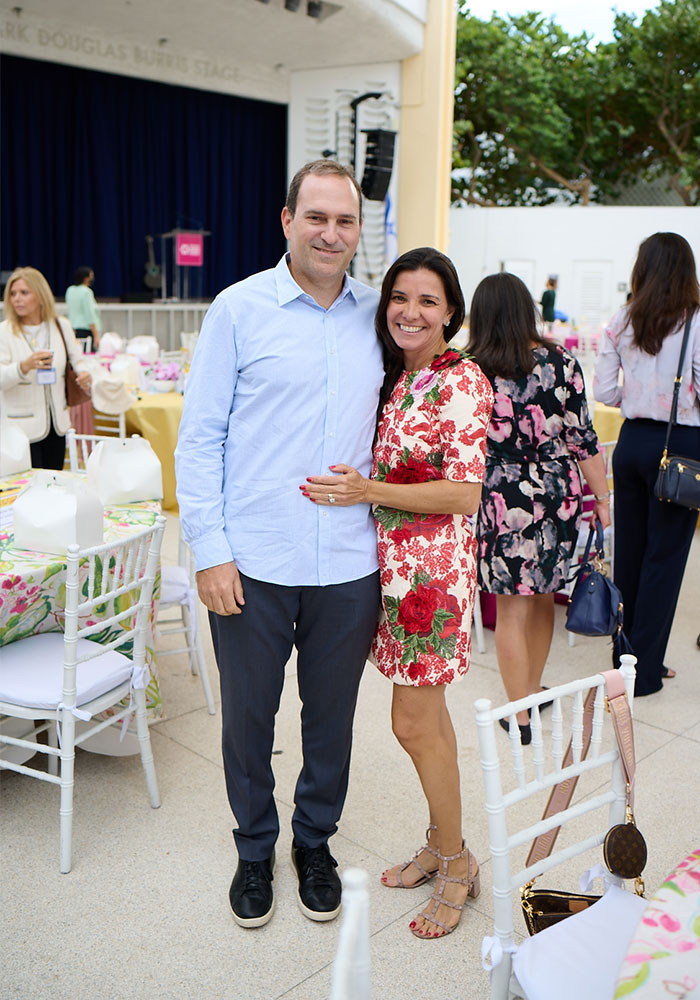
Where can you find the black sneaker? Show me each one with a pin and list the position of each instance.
(319, 885)
(251, 898)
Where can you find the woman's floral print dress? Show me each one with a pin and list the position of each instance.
(531, 502)
(433, 427)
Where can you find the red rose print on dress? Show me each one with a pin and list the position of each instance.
(416, 671)
(427, 525)
(399, 535)
(446, 360)
(413, 471)
(433, 427)
(426, 620)
(417, 610)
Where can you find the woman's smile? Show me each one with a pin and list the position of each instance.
(417, 315)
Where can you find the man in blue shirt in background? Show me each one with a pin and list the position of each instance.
(284, 384)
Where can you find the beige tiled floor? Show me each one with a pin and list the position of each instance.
(144, 913)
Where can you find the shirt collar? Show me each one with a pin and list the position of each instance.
(288, 290)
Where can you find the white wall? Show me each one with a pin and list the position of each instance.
(592, 250)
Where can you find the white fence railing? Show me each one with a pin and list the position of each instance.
(163, 320)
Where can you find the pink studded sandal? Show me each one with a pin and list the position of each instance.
(425, 876)
(473, 889)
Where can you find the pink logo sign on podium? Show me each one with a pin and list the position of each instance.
(189, 249)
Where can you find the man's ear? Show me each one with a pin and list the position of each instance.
(286, 220)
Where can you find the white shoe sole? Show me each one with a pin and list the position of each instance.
(320, 916)
(253, 921)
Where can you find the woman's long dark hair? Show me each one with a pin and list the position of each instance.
(664, 289)
(414, 260)
(503, 326)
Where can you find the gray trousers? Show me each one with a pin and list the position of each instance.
(332, 628)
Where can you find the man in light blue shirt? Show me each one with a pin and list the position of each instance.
(284, 384)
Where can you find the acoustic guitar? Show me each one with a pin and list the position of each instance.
(152, 277)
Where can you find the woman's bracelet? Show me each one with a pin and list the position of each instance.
(603, 498)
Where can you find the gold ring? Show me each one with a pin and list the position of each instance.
(331, 498)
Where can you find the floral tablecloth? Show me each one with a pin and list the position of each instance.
(663, 959)
(32, 584)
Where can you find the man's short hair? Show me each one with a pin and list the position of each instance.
(320, 168)
(81, 273)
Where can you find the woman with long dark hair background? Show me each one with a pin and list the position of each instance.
(652, 538)
(539, 437)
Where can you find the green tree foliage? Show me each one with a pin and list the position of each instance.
(538, 112)
(529, 112)
(654, 84)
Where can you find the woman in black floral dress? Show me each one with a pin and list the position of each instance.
(539, 437)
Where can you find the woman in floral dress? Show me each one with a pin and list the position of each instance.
(539, 437)
(429, 453)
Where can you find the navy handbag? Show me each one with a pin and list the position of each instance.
(595, 605)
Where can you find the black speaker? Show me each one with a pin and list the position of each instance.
(379, 160)
(138, 296)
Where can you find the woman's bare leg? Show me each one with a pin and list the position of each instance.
(524, 627)
(540, 628)
(422, 725)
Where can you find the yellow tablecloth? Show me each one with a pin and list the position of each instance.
(156, 417)
(607, 421)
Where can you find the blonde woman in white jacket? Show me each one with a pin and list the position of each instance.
(33, 366)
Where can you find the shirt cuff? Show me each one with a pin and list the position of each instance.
(20, 374)
(211, 550)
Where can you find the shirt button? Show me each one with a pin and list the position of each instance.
(330, 434)
(332, 392)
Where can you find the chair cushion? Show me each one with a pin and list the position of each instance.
(174, 584)
(580, 957)
(31, 671)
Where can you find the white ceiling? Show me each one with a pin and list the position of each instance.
(244, 32)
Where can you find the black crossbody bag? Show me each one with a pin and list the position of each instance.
(678, 478)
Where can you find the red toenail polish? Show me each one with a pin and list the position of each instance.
(412, 924)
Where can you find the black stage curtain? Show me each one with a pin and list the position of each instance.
(92, 162)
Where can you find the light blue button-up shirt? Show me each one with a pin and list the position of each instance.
(280, 389)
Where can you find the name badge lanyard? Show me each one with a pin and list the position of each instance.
(44, 376)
